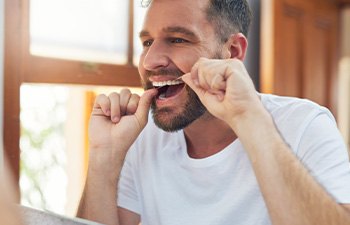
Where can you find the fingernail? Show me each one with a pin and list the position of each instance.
(108, 112)
(115, 119)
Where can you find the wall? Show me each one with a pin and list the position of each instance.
(344, 77)
(252, 60)
(2, 12)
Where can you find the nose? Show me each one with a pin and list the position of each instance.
(156, 56)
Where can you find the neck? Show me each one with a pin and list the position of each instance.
(207, 136)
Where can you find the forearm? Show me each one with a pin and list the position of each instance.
(115, 123)
(290, 192)
(98, 202)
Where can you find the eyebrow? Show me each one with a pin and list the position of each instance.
(181, 30)
(177, 29)
(143, 33)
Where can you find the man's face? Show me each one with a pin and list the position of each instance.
(175, 35)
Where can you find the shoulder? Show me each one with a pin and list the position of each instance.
(294, 116)
(281, 107)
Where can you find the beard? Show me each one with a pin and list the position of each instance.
(168, 120)
(164, 117)
(192, 110)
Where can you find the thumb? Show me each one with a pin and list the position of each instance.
(190, 82)
(144, 105)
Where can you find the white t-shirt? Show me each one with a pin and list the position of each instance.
(165, 186)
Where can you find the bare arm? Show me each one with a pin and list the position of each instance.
(291, 194)
(347, 207)
(115, 123)
(98, 202)
(127, 217)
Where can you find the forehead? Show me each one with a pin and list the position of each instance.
(177, 13)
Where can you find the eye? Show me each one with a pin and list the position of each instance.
(147, 43)
(178, 40)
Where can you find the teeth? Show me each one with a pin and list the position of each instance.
(162, 96)
(168, 82)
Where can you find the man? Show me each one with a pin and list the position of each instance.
(237, 157)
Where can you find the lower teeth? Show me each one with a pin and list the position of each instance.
(162, 96)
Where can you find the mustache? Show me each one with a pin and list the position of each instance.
(164, 71)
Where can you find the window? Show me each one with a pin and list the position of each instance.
(63, 51)
(92, 30)
(53, 143)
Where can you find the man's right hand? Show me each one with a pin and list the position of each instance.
(116, 121)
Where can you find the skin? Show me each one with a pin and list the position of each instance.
(9, 214)
(228, 93)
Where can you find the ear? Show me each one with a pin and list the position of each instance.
(237, 45)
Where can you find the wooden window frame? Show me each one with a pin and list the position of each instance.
(22, 67)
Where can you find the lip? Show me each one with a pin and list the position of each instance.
(162, 78)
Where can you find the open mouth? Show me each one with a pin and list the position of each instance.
(167, 89)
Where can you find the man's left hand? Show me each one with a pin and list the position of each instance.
(224, 87)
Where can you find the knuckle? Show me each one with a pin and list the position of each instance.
(114, 99)
(125, 91)
(134, 99)
(113, 95)
(101, 100)
(125, 96)
(132, 108)
(100, 97)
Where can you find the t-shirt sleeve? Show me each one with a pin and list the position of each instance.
(127, 192)
(324, 153)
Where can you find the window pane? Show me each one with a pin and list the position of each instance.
(139, 14)
(53, 144)
(86, 30)
(43, 179)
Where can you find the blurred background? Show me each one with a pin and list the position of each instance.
(57, 55)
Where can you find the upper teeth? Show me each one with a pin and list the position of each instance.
(168, 82)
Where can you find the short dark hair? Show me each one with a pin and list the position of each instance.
(229, 17)
(226, 16)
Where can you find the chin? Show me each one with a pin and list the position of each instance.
(169, 121)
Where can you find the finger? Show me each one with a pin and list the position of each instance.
(187, 78)
(132, 104)
(218, 83)
(114, 98)
(125, 95)
(144, 105)
(194, 73)
(102, 106)
(220, 95)
(202, 74)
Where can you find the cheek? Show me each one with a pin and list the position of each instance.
(185, 61)
(141, 69)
